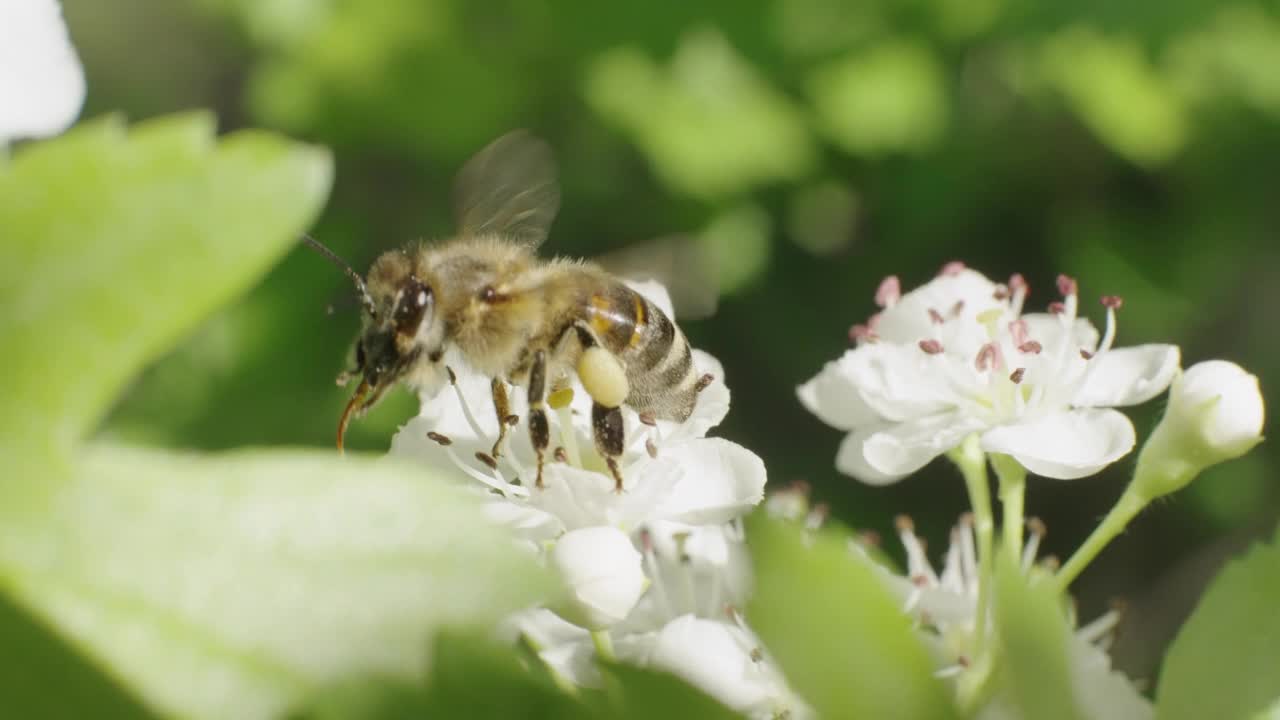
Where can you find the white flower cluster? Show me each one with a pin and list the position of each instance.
(955, 367)
(958, 356)
(654, 575)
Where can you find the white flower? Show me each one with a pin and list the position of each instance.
(958, 356)
(1215, 414)
(602, 571)
(686, 623)
(41, 81)
(672, 472)
(944, 607)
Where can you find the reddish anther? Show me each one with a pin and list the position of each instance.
(888, 292)
(932, 347)
(1112, 302)
(952, 268)
(1067, 285)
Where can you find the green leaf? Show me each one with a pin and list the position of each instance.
(116, 243)
(471, 676)
(35, 660)
(842, 640)
(1225, 661)
(1032, 633)
(234, 585)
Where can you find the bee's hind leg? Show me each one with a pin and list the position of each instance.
(606, 427)
(539, 431)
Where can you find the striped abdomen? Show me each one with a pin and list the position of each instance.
(656, 355)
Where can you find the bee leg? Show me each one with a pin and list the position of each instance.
(539, 431)
(606, 426)
(503, 407)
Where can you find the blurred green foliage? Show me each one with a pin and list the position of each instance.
(817, 144)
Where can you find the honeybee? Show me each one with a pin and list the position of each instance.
(518, 319)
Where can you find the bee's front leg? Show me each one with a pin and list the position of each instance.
(539, 431)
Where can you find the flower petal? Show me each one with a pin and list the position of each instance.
(908, 321)
(888, 453)
(833, 396)
(41, 80)
(714, 656)
(899, 382)
(717, 481)
(602, 571)
(1128, 376)
(1065, 445)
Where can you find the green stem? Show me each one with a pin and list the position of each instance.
(604, 645)
(1129, 505)
(973, 466)
(1013, 490)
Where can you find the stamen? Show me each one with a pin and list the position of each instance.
(1067, 286)
(1018, 331)
(949, 672)
(888, 292)
(466, 407)
(497, 483)
(861, 333)
(652, 570)
(817, 516)
(1108, 335)
(1057, 308)
(931, 347)
(917, 561)
(1016, 376)
(957, 308)
(439, 438)
(989, 357)
(1031, 347)
(512, 420)
(868, 538)
(936, 317)
(568, 435)
(648, 419)
(1086, 354)
(487, 459)
(1035, 533)
(1001, 293)
(560, 455)
(703, 382)
(955, 267)
(1018, 285)
(650, 448)
(1112, 302)
(1099, 628)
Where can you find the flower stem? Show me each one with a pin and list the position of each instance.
(604, 645)
(973, 466)
(1013, 490)
(1126, 508)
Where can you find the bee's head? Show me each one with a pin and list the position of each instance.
(399, 325)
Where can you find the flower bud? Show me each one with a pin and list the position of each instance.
(1215, 414)
(601, 569)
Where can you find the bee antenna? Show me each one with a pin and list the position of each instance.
(331, 256)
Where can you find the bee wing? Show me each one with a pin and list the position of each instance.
(683, 265)
(509, 188)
